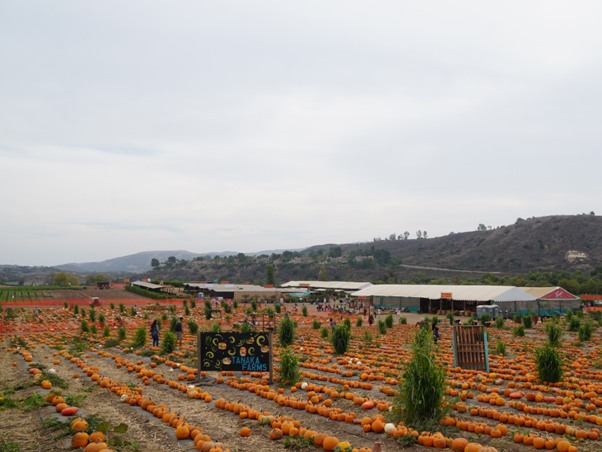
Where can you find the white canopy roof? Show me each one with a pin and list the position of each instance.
(332, 285)
(436, 292)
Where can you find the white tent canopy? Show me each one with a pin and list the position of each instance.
(480, 294)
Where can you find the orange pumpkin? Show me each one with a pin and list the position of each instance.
(80, 439)
(276, 434)
(459, 444)
(245, 432)
(330, 443)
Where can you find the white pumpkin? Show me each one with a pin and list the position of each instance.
(390, 428)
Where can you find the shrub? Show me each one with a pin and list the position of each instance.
(554, 334)
(359, 321)
(389, 321)
(207, 312)
(450, 317)
(186, 311)
(121, 308)
(340, 339)
(323, 332)
(367, 337)
(486, 317)
(139, 337)
(83, 327)
(519, 330)
(106, 331)
(304, 311)
(246, 328)
(586, 330)
(75, 309)
(92, 315)
(254, 305)
(574, 323)
(500, 348)
(192, 304)
(419, 400)
(548, 362)
(217, 328)
(500, 323)
(277, 308)
(112, 306)
(168, 344)
(287, 331)
(101, 318)
(121, 333)
(316, 325)
(347, 324)
(403, 320)
(528, 321)
(288, 373)
(235, 304)
(382, 328)
(193, 327)
(93, 329)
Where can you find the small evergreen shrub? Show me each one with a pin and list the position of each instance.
(168, 344)
(288, 372)
(519, 330)
(340, 339)
(287, 332)
(548, 362)
(139, 337)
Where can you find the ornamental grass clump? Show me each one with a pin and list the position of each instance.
(287, 332)
(139, 337)
(419, 400)
(519, 331)
(548, 362)
(554, 333)
(288, 372)
(389, 321)
(586, 331)
(168, 344)
(340, 339)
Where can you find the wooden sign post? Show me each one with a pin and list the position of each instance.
(235, 351)
(471, 349)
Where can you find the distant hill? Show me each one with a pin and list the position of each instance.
(133, 263)
(543, 244)
(141, 262)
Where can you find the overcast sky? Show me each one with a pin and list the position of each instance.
(130, 126)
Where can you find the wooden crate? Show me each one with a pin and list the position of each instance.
(470, 347)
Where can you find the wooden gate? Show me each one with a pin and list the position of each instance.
(470, 347)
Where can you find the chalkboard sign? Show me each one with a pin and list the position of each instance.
(235, 351)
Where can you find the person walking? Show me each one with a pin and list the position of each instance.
(179, 330)
(154, 330)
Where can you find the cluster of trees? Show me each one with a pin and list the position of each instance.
(420, 234)
(171, 263)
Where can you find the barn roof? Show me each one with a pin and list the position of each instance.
(550, 293)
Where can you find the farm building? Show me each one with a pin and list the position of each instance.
(316, 287)
(442, 298)
(158, 288)
(553, 300)
(238, 292)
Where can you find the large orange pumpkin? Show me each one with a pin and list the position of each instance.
(330, 442)
(459, 444)
(80, 439)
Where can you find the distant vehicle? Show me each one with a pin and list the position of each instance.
(493, 310)
(95, 301)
